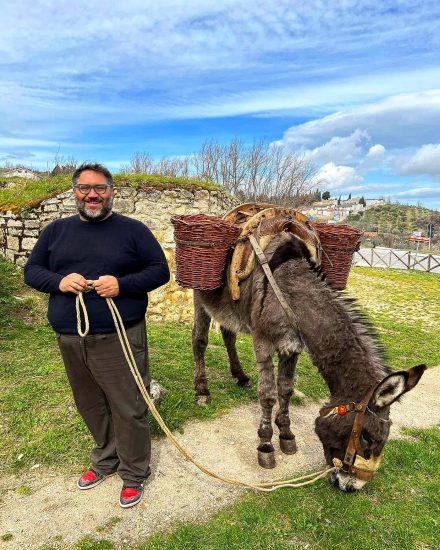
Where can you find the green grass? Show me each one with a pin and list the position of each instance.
(40, 424)
(30, 193)
(404, 307)
(398, 509)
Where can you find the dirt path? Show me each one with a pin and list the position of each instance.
(56, 511)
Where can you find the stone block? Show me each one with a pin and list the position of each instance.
(15, 223)
(173, 193)
(28, 243)
(15, 231)
(50, 208)
(202, 194)
(125, 192)
(31, 233)
(51, 201)
(32, 224)
(13, 243)
(125, 206)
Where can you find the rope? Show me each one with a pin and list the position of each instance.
(258, 486)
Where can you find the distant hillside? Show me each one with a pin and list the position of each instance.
(394, 222)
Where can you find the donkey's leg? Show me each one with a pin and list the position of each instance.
(268, 397)
(229, 338)
(199, 342)
(286, 371)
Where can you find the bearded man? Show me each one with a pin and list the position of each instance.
(124, 260)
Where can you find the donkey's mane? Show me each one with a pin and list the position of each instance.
(292, 248)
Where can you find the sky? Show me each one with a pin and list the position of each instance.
(353, 86)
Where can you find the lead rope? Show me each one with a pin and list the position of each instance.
(259, 486)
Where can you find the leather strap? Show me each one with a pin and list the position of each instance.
(353, 443)
(264, 264)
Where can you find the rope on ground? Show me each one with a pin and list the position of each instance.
(258, 486)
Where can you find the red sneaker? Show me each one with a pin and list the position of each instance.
(91, 479)
(130, 496)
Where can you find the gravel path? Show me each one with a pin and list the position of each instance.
(56, 511)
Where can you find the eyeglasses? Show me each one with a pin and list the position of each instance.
(85, 189)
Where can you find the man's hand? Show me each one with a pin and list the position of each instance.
(107, 286)
(73, 283)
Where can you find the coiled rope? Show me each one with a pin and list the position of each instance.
(258, 486)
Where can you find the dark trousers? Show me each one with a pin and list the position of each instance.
(109, 401)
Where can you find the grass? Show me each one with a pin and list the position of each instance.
(40, 424)
(399, 509)
(28, 194)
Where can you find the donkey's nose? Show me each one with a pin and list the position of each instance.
(349, 488)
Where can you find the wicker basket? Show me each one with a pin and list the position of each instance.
(339, 243)
(202, 248)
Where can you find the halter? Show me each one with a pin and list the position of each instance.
(364, 469)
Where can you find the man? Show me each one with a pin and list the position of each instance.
(125, 262)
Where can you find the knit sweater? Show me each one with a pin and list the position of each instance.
(118, 246)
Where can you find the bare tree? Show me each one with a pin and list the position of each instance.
(140, 163)
(260, 172)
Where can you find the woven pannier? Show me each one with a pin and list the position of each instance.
(339, 243)
(202, 249)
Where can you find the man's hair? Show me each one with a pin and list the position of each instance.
(95, 167)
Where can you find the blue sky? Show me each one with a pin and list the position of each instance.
(352, 85)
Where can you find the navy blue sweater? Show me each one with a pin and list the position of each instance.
(118, 246)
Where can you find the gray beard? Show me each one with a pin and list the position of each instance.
(94, 215)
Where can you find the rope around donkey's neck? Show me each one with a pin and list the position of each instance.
(258, 486)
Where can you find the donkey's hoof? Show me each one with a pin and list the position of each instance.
(288, 445)
(244, 383)
(266, 456)
(203, 400)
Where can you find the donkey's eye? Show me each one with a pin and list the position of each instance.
(366, 439)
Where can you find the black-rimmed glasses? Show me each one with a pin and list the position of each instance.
(85, 189)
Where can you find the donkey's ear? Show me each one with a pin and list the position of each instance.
(395, 385)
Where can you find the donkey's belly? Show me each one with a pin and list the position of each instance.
(228, 318)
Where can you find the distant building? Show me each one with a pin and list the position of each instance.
(20, 173)
(374, 202)
(331, 211)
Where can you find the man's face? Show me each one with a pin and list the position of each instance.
(93, 206)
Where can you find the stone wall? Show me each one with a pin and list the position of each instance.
(19, 233)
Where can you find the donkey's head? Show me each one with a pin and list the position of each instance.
(354, 434)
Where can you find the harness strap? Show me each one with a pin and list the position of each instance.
(264, 264)
(353, 443)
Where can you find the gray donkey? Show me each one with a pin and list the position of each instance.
(340, 343)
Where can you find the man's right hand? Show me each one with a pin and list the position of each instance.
(73, 283)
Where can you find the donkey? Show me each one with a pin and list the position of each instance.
(340, 343)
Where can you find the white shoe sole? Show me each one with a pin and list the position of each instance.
(94, 484)
(130, 504)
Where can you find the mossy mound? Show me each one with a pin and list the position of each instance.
(27, 194)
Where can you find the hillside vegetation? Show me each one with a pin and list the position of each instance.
(394, 222)
(27, 193)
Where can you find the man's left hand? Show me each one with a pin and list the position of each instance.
(107, 286)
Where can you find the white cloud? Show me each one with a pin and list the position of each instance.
(376, 152)
(373, 159)
(423, 192)
(395, 122)
(425, 161)
(333, 177)
(338, 149)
